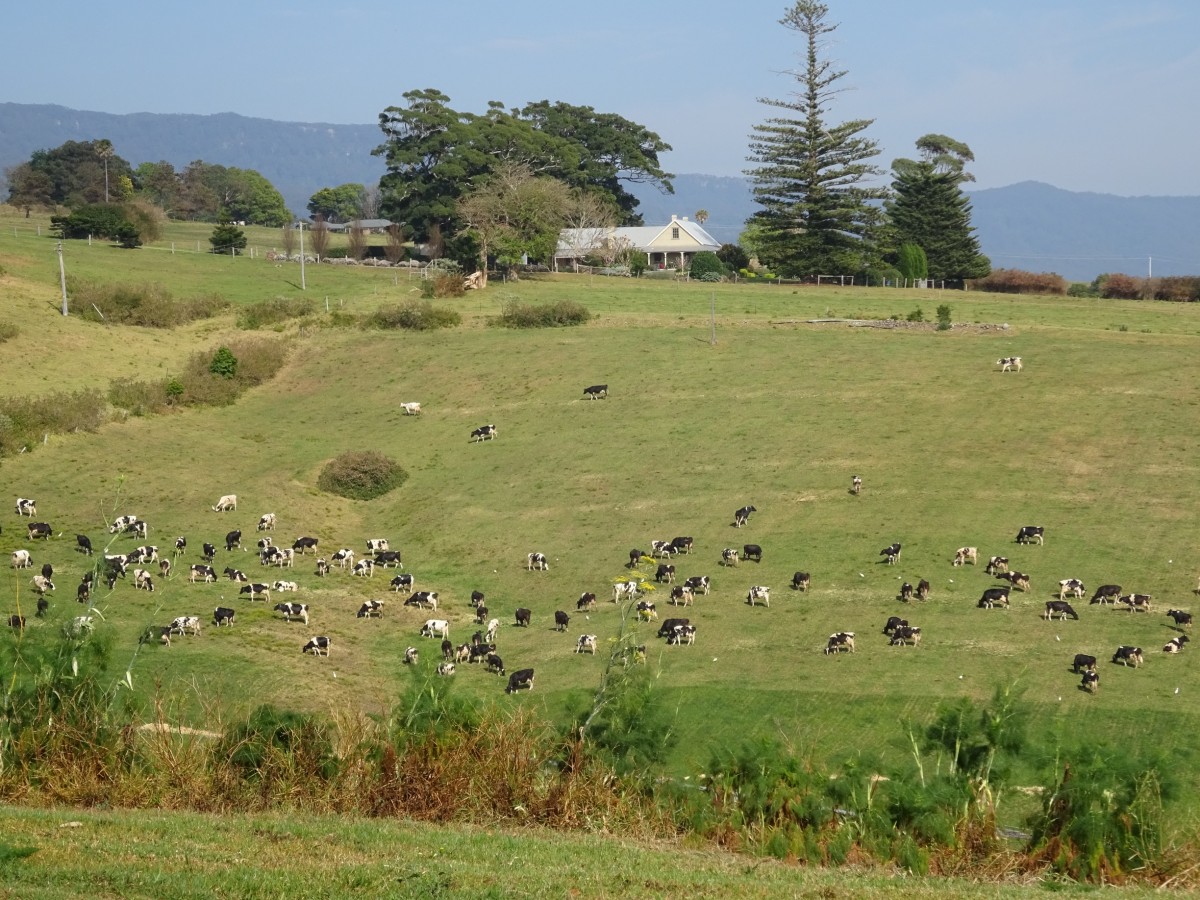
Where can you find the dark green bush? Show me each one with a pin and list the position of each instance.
(542, 315)
(275, 743)
(706, 266)
(148, 305)
(102, 220)
(361, 475)
(917, 315)
(943, 317)
(227, 239)
(223, 363)
(413, 316)
(733, 257)
(8, 331)
(272, 312)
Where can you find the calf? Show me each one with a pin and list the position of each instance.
(1090, 681)
(682, 634)
(523, 617)
(493, 663)
(402, 583)
(304, 544)
(752, 551)
(477, 597)
(83, 593)
(39, 530)
(964, 555)
(561, 620)
(322, 567)
(118, 564)
(536, 561)
(905, 635)
(1175, 644)
(698, 584)
(42, 606)
(26, 507)
(893, 623)
(257, 592)
(447, 649)
(84, 544)
(484, 433)
(906, 591)
(411, 656)
(742, 516)
(223, 615)
(682, 545)
(586, 600)
(202, 573)
(1031, 534)
(1136, 602)
(138, 529)
(1081, 662)
(759, 592)
(386, 558)
(423, 599)
(266, 522)
(462, 653)
(209, 552)
(729, 557)
(682, 594)
(47, 570)
(185, 625)
(365, 568)
(520, 679)
(180, 546)
(1128, 656)
(233, 539)
(164, 567)
(839, 641)
(669, 625)
(374, 545)
(586, 644)
(801, 581)
(284, 586)
(665, 573)
(481, 614)
(435, 628)
(446, 668)
(1072, 586)
(1183, 619)
(923, 589)
(228, 503)
(1009, 363)
(892, 553)
(1060, 609)
(996, 565)
(142, 580)
(662, 549)
(318, 646)
(646, 611)
(624, 589)
(596, 391)
(478, 651)
(1106, 593)
(856, 485)
(21, 559)
(1019, 580)
(42, 584)
(993, 597)
(292, 611)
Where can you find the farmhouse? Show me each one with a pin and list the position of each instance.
(665, 246)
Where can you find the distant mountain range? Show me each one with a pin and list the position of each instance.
(1026, 226)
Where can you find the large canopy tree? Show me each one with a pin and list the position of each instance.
(818, 216)
(343, 203)
(931, 210)
(74, 171)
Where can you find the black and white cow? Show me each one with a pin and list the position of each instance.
(905, 635)
(522, 678)
(477, 597)
(1090, 681)
(185, 625)
(292, 611)
(209, 552)
(284, 586)
(164, 567)
(923, 589)
(435, 628)
(447, 649)
(625, 590)
(318, 646)
(646, 611)
(42, 584)
(964, 555)
(1009, 363)
(180, 546)
(561, 620)
(139, 528)
(1106, 593)
(411, 656)
(423, 600)
(202, 573)
(1183, 618)
(266, 522)
(17, 622)
(1083, 661)
(386, 558)
(257, 591)
(1060, 609)
(481, 614)
(484, 433)
(47, 570)
(21, 559)
(536, 561)
(729, 557)
(893, 623)
(635, 557)
(996, 565)
(402, 583)
(1031, 534)
(892, 552)
(121, 523)
(1175, 644)
(759, 592)
(742, 516)
(682, 545)
(1136, 602)
(596, 391)
(83, 593)
(839, 641)
(856, 485)
(84, 544)
(1129, 656)
(906, 591)
(493, 663)
(304, 544)
(478, 651)
(698, 583)
(993, 597)
(586, 600)
(27, 507)
(233, 539)
(752, 551)
(661, 549)
(343, 558)
(801, 581)
(445, 668)
(365, 568)
(236, 575)
(681, 594)
(1072, 586)
(682, 634)
(669, 625)
(322, 567)
(40, 530)
(524, 616)
(586, 644)
(1019, 580)
(143, 580)
(224, 615)
(374, 545)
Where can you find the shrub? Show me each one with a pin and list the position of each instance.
(147, 305)
(1120, 287)
(257, 361)
(912, 262)
(733, 257)
(943, 317)
(104, 220)
(1177, 288)
(223, 363)
(1082, 289)
(637, 265)
(24, 420)
(413, 316)
(226, 238)
(542, 315)
(1018, 281)
(277, 743)
(8, 331)
(361, 475)
(442, 284)
(707, 267)
(917, 315)
(140, 398)
(272, 312)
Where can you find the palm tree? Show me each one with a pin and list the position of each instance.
(701, 216)
(104, 149)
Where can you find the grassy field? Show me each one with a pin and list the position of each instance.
(1095, 440)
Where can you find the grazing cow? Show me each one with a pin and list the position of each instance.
(752, 551)
(47, 570)
(411, 408)
(83, 593)
(1030, 534)
(42, 584)
(257, 592)
(202, 573)
(893, 623)
(905, 635)
(322, 567)
(661, 549)
(523, 617)
(682, 634)
(1090, 681)
(1009, 363)
(228, 503)
(646, 611)
(402, 582)
(682, 594)
(1059, 608)
(21, 559)
(447, 649)
(494, 663)
(1136, 602)
(923, 589)
(596, 391)
(1019, 580)
(635, 557)
(236, 575)
(365, 568)
(759, 592)
(266, 522)
(669, 625)
(233, 539)
(623, 589)
(892, 553)
(996, 565)
(26, 507)
(164, 567)
(435, 628)
(856, 485)
(1083, 661)
(493, 626)
(343, 558)
(1183, 619)
(386, 558)
(484, 433)
(138, 529)
(462, 653)
(681, 545)
(422, 599)
(17, 622)
(446, 668)
(801, 581)
(839, 641)
(906, 591)
(184, 625)
(1175, 644)
(284, 586)
(304, 544)
(477, 597)
(477, 651)
(143, 554)
(265, 543)
(411, 656)
(1106, 593)
(964, 555)
(118, 564)
(742, 516)
(180, 546)
(209, 553)
(376, 544)
(39, 530)
(536, 561)
(223, 615)
(269, 555)
(142, 580)
(1129, 656)
(993, 597)
(587, 600)
(586, 644)
(84, 544)
(697, 584)
(318, 646)
(292, 611)
(520, 679)
(729, 557)
(42, 606)
(122, 523)
(1072, 586)
(561, 620)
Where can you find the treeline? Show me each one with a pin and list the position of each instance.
(1112, 286)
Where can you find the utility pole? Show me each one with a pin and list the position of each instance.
(303, 286)
(62, 277)
(1149, 266)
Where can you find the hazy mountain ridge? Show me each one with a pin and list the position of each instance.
(1029, 225)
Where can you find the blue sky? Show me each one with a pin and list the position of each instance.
(1087, 95)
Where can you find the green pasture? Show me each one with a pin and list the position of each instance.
(1095, 440)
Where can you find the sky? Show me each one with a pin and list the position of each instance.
(1086, 95)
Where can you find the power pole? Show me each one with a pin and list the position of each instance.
(303, 286)
(62, 277)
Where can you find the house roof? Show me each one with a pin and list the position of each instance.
(644, 238)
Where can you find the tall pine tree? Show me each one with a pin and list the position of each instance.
(931, 210)
(817, 215)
